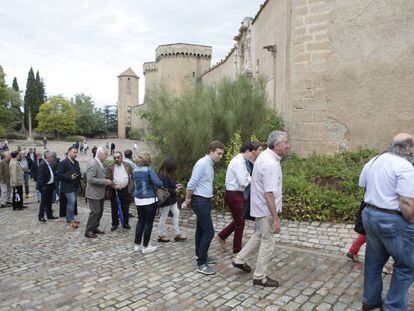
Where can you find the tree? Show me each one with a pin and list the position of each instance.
(111, 118)
(90, 122)
(15, 86)
(40, 88)
(31, 101)
(5, 114)
(57, 116)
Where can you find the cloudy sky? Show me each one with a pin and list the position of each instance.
(82, 45)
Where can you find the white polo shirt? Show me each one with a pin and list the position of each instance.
(386, 179)
(237, 176)
(266, 177)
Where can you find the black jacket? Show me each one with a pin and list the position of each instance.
(65, 170)
(34, 169)
(43, 175)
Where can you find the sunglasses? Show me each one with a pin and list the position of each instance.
(117, 157)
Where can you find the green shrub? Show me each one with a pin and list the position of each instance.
(182, 127)
(74, 138)
(12, 135)
(136, 134)
(323, 188)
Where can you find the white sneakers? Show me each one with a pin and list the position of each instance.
(137, 247)
(145, 250)
(148, 249)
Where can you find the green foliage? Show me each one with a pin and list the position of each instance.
(136, 134)
(271, 123)
(91, 121)
(323, 188)
(5, 115)
(110, 114)
(233, 147)
(182, 127)
(57, 116)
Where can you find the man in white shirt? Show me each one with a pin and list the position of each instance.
(388, 221)
(120, 173)
(237, 179)
(265, 204)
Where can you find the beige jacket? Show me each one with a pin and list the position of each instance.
(96, 181)
(16, 173)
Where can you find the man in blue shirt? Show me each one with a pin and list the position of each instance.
(199, 193)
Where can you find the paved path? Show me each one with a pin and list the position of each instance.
(51, 267)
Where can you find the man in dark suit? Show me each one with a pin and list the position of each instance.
(33, 172)
(46, 185)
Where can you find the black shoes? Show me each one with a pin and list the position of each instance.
(244, 267)
(24, 206)
(127, 227)
(97, 231)
(3, 206)
(367, 307)
(266, 282)
(42, 220)
(53, 217)
(113, 228)
(90, 235)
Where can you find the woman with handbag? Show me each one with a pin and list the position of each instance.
(166, 173)
(146, 182)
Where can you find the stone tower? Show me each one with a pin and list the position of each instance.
(128, 96)
(177, 66)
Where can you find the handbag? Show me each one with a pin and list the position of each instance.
(359, 227)
(161, 193)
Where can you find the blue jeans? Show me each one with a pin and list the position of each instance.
(205, 230)
(388, 235)
(70, 206)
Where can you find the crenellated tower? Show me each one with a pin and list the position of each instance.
(177, 66)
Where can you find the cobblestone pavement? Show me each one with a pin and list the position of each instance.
(51, 267)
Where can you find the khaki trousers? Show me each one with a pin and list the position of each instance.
(264, 239)
(5, 192)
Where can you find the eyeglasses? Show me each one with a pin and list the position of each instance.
(117, 157)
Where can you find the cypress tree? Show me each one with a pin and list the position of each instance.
(15, 86)
(31, 99)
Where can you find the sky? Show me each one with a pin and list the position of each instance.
(81, 46)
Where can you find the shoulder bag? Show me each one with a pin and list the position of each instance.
(162, 193)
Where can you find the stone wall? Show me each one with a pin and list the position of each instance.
(352, 65)
(224, 69)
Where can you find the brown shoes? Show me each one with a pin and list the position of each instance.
(242, 266)
(163, 239)
(180, 238)
(266, 282)
(73, 224)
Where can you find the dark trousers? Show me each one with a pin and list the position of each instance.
(235, 202)
(124, 198)
(26, 177)
(95, 215)
(46, 200)
(205, 230)
(17, 201)
(146, 216)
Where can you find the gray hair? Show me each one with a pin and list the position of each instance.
(49, 153)
(402, 148)
(101, 150)
(275, 138)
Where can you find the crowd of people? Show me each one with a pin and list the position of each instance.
(253, 191)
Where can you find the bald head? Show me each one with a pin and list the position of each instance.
(401, 137)
(402, 145)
